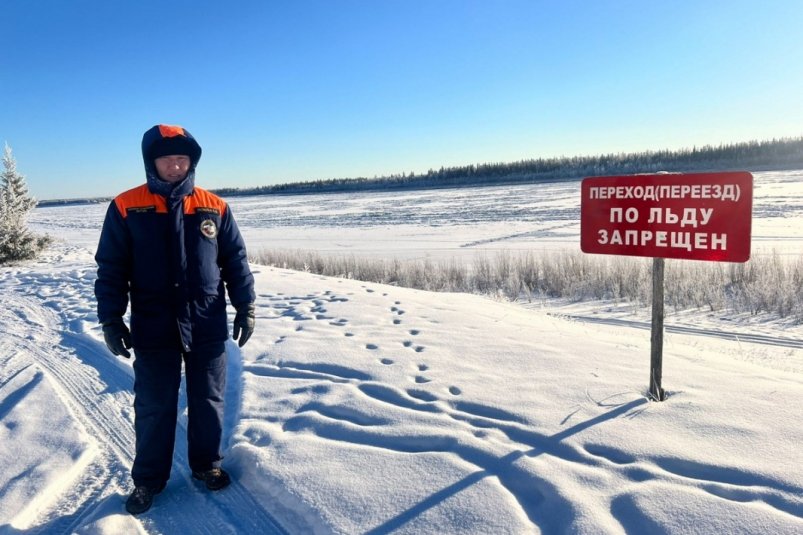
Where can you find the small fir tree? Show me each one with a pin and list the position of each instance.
(16, 241)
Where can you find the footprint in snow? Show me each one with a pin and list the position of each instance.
(386, 362)
(423, 395)
(371, 346)
(257, 437)
(420, 379)
(409, 343)
(453, 390)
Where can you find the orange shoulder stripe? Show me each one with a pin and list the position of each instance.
(201, 200)
(140, 199)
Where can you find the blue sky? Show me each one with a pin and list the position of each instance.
(281, 91)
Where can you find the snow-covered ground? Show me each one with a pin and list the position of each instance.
(363, 408)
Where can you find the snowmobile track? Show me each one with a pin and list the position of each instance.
(80, 372)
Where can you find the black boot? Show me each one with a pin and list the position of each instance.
(215, 479)
(141, 499)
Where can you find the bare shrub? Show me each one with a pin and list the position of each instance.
(766, 284)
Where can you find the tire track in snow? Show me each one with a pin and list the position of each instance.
(778, 341)
(39, 340)
(546, 232)
(82, 372)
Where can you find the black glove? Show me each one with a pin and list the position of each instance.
(244, 322)
(117, 337)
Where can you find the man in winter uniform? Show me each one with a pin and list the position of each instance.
(175, 250)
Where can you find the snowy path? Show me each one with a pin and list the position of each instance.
(86, 485)
(46, 333)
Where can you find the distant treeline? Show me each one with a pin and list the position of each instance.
(70, 202)
(786, 153)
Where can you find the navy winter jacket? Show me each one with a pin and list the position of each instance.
(171, 248)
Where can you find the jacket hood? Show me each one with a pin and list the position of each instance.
(161, 140)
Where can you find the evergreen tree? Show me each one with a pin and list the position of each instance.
(16, 241)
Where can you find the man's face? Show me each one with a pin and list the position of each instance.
(173, 167)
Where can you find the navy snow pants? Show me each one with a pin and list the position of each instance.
(157, 377)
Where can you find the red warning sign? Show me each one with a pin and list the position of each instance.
(696, 216)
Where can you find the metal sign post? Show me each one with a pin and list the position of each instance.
(657, 333)
(695, 216)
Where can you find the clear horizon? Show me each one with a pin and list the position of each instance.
(245, 188)
(279, 93)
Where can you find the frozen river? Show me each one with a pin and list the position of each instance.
(442, 223)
